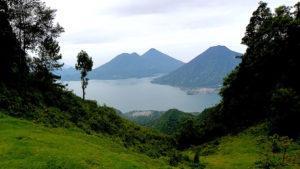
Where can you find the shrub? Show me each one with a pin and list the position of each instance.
(52, 117)
(175, 159)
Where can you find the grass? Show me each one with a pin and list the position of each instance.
(240, 152)
(24, 144)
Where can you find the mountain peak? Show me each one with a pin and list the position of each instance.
(206, 70)
(152, 52)
(220, 47)
(127, 55)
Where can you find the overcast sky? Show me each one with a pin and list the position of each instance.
(181, 28)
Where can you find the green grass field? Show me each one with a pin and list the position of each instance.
(24, 144)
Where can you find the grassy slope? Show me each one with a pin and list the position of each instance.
(24, 144)
(241, 152)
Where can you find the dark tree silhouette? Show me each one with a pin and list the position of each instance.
(33, 21)
(48, 61)
(84, 65)
(13, 65)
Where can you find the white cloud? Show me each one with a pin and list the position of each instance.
(181, 28)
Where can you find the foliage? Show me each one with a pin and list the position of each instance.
(143, 119)
(284, 113)
(32, 22)
(271, 147)
(13, 65)
(170, 122)
(175, 159)
(268, 67)
(197, 160)
(242, 150)
(84, 64)
(47, 62)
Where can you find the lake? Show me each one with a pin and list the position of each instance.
(140, 94)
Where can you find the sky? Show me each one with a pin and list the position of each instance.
(180, 28)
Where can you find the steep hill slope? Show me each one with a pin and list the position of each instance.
(206, 70)
(24, 144)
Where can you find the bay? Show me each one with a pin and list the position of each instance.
(140, 94)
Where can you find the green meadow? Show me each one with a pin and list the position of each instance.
(24, 144)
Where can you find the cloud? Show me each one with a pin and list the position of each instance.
(140, 7)
(181, 28)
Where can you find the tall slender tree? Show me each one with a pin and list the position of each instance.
(84, 64)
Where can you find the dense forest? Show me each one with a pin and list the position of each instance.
(262, 90)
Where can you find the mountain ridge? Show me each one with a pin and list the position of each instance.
(130, 65)
(206, 70)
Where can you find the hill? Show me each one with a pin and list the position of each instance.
(247, 149)
(124, 66)
(24, 144)
(143, 117)
(206, 70)
(170, 121)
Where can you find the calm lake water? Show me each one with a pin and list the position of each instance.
(140, 94)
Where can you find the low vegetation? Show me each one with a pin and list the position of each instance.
(246, 150)
(24, 144)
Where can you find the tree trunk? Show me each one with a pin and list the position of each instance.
(83, 92)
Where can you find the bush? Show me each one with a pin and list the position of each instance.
(273, 151)
(175, 159)
(285, 112)
(52, 117)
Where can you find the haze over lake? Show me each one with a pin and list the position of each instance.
(140, 94)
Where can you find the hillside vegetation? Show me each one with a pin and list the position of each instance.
(245, 150)
(24, 144)
(170, 121)
(143, 118)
